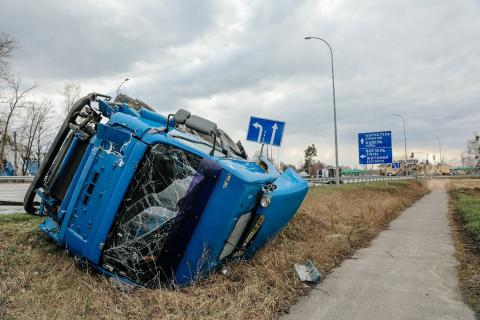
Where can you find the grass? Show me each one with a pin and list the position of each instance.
(465, 217)
(38, 280)
(467, 204)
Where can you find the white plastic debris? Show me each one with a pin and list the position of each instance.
(307, 272)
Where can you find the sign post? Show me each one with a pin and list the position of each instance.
(265, 131)
(375, 147)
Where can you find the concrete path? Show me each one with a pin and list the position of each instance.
(407, 273)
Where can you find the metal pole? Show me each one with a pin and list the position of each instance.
(405, 140)
(337, 175)
(121, 84)
(439, 146)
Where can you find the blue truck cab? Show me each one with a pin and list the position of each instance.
(150, 199)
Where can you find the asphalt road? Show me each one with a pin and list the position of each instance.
(408, 273)
(12, 192)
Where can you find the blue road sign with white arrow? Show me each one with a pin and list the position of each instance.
(396, 165)
(265, 131)
(375, 147)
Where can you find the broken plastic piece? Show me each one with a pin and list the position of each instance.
(307, 272)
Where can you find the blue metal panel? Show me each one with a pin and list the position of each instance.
(286, 199)
(115, 193)
(230, 199)
(136, 125)
(84, 228)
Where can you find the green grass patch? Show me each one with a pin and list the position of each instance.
(467, 204)
(6, 219)
(465, 218)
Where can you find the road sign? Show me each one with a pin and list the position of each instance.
(265, 131)
(395, 165)
(375, 147)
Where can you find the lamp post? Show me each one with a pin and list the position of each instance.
(404, 139)
(337, 175)
(121, 84)
(439, 146)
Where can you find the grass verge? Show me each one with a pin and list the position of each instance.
(465, 216)
(40, 281)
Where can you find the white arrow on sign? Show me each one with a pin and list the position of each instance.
(362, 141)
(274, 130)
(257, 125)
(363, 156)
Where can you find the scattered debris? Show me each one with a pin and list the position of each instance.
(225, 271)
(307, 272)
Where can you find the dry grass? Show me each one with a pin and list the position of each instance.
(454, 184)
(40, 281)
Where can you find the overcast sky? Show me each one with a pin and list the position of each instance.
(228, 60)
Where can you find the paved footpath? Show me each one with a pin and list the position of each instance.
(407, 273)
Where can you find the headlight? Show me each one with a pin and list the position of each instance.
(265, 201)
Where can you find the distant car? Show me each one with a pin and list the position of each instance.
(150, 199)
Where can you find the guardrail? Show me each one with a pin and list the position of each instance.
(374, 178)
(16, 179)
(355, 179)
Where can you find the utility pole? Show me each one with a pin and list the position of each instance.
(337, 174)
(439, 146)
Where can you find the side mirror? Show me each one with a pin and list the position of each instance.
(181, 116)
(201, 124)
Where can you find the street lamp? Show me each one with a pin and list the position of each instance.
(337, 175)
(121, 84)
(439, 146)
(405, 140)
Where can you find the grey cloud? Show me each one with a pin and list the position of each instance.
(229, 60)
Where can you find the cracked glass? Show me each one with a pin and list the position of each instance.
(148, 212)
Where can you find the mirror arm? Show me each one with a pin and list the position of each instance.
(168, 122)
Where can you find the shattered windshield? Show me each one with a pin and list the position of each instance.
(148, 212)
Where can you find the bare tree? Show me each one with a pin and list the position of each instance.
(71, 93)
(7, 45)
(45, 132)
(17, 100)
(33, 132)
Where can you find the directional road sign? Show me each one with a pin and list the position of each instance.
(375, 147)
(265, 131)
(396, 165)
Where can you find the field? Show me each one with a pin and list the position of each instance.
(40, 281)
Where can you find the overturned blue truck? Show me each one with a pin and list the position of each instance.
(149, 199)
